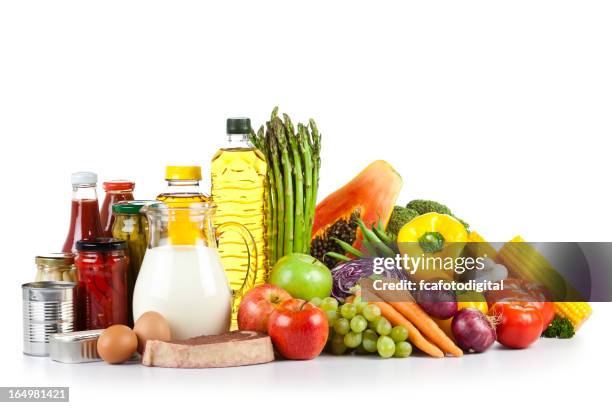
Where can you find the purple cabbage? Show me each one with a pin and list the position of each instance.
(347, 274)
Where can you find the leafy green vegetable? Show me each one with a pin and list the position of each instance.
(427, 206)
(400, 217)
(560, 328)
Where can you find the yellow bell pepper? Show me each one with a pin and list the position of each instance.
(432, 235)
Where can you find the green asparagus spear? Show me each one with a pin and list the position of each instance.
(278, 187)
(303, 137)
(298, 222)
(270, 198)
(274, 113)
(316, 149)
(256, 139)
(279, 131)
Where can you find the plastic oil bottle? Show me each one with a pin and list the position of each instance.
(238, 179)
(183, 189)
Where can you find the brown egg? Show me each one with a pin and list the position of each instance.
(117, 344)
(151, 326)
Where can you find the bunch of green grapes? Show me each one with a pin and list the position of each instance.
(359, 327)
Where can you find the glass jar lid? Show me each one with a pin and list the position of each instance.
(55, 259)
(131, 207)
(118, 185)
(101, 244)
(183, 173)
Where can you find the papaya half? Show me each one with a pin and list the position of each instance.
(370, 196)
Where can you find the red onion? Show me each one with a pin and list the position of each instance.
(473, 330)
(440, 304)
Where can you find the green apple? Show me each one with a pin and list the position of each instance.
(303, 276)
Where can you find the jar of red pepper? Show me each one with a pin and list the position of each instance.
(102, 268)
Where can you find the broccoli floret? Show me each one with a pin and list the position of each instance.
(427, 206)
(400, 217)
(560, 328)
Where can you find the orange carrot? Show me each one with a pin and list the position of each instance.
(417, 316)
(415, 337)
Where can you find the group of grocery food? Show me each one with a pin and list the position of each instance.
(257, 270)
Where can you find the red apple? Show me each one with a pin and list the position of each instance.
(257, 305)
(298, 329)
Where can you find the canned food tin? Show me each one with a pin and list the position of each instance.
(48, 307)
(76, 347)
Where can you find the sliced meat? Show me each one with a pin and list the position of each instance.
(231, 349)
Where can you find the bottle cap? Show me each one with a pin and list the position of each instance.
(118, 185)
(83, 177)
(238, 126)
(183, 173)
(101, 244)
(131, 207)
(55, 259)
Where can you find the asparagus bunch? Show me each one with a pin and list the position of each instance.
(293, 158)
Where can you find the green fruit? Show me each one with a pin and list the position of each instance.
(303, 276)
(358, 324)
(352, 339)
(329, 304)
(348, 310)
(332, 316)
(337, 345)
(316, 301)
(403, 349)
(369, 340)
(342, 326)
(399, 334)
(371, 312)
(383, 327)
(386, 346)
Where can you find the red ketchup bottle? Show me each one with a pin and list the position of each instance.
(84, 214)
(116, 190)
(102, 268)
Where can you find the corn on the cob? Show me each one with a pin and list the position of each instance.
(524, 262)
(477, 247)
(575, 312)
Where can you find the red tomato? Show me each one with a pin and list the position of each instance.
(547, 309)
(520, 324)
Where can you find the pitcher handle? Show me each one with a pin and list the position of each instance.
(250, 275)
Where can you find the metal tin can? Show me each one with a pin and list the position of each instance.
(48, 307)
(76, 347)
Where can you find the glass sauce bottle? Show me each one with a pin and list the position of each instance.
(116, 190)
(238, 178)
(84, 213)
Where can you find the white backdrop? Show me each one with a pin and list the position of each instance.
(501, 110)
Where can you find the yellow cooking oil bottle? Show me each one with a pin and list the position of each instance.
(238, 180)
(183, 189)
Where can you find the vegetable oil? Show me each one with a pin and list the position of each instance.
(238, 175)
(183, 189)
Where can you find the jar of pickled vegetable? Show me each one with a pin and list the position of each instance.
(131, 226)
(102, 270)
(55, 267)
